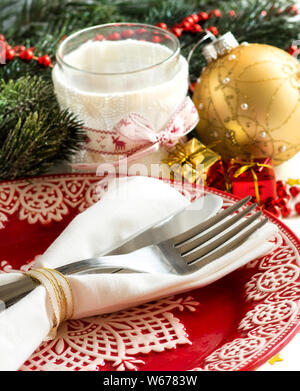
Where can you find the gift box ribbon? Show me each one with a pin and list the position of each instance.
(250, 166)
(293, 182)
(193, 153)
(183, 154)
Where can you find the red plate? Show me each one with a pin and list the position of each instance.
(235, 324)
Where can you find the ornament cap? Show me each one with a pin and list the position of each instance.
(219, 47)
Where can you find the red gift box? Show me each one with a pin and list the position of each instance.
(255, 178)
(216, 176)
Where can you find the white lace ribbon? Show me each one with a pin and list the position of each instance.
(134, 137)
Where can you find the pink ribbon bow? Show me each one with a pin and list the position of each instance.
(137, 128)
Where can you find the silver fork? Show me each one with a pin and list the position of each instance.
(183, 254)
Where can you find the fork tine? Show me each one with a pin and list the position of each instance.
(197, 253)
(199, 263)
(191, 244)
(179, 239)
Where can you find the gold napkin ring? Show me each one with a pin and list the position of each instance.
(60, 295)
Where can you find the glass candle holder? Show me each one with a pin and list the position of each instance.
(106, 72)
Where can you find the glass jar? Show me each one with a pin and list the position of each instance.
(106, 72)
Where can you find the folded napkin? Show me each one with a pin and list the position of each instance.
(129, 205)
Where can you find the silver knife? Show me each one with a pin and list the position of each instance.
(198, 211)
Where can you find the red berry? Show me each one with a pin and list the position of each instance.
(279, 11)
(114, 36)
(274, 210)
(216, 13)
(176, 31)
(286, 211)
(156, 39)
(281, 184)
(22, 54)
(44, 60)
(196, 28)
(203, 16)
(213, 30)
(26, 55)
(293, 10)
(127, 33)
(10, 54)
(195, 17)
(297, 207)
(186, 25)
(99, 37)
(2, 37)
(192, 86)
(231, 13)
(295, 190)
(19, 48)
(263, 13)
(29, 55)
(47, 61)
(282, 201)
(292, 49)
(162, 26)
(281, 192)
(189, 19)
(141, 31)
(270, 201)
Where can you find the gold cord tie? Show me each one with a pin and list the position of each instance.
(59, 293)
(250, 166)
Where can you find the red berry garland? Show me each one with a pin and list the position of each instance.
(191, 24)
(24, 54)
(282, 204)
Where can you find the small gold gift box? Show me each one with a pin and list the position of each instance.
(191, 161)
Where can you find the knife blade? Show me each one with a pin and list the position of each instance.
(199, 210)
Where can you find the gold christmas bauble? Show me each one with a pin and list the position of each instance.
(249, 98)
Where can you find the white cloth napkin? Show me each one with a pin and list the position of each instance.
(129, 205)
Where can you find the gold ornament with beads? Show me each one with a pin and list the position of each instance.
(249, 97)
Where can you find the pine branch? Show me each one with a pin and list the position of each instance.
(34, 133)
(42, 23)
(249, 24)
